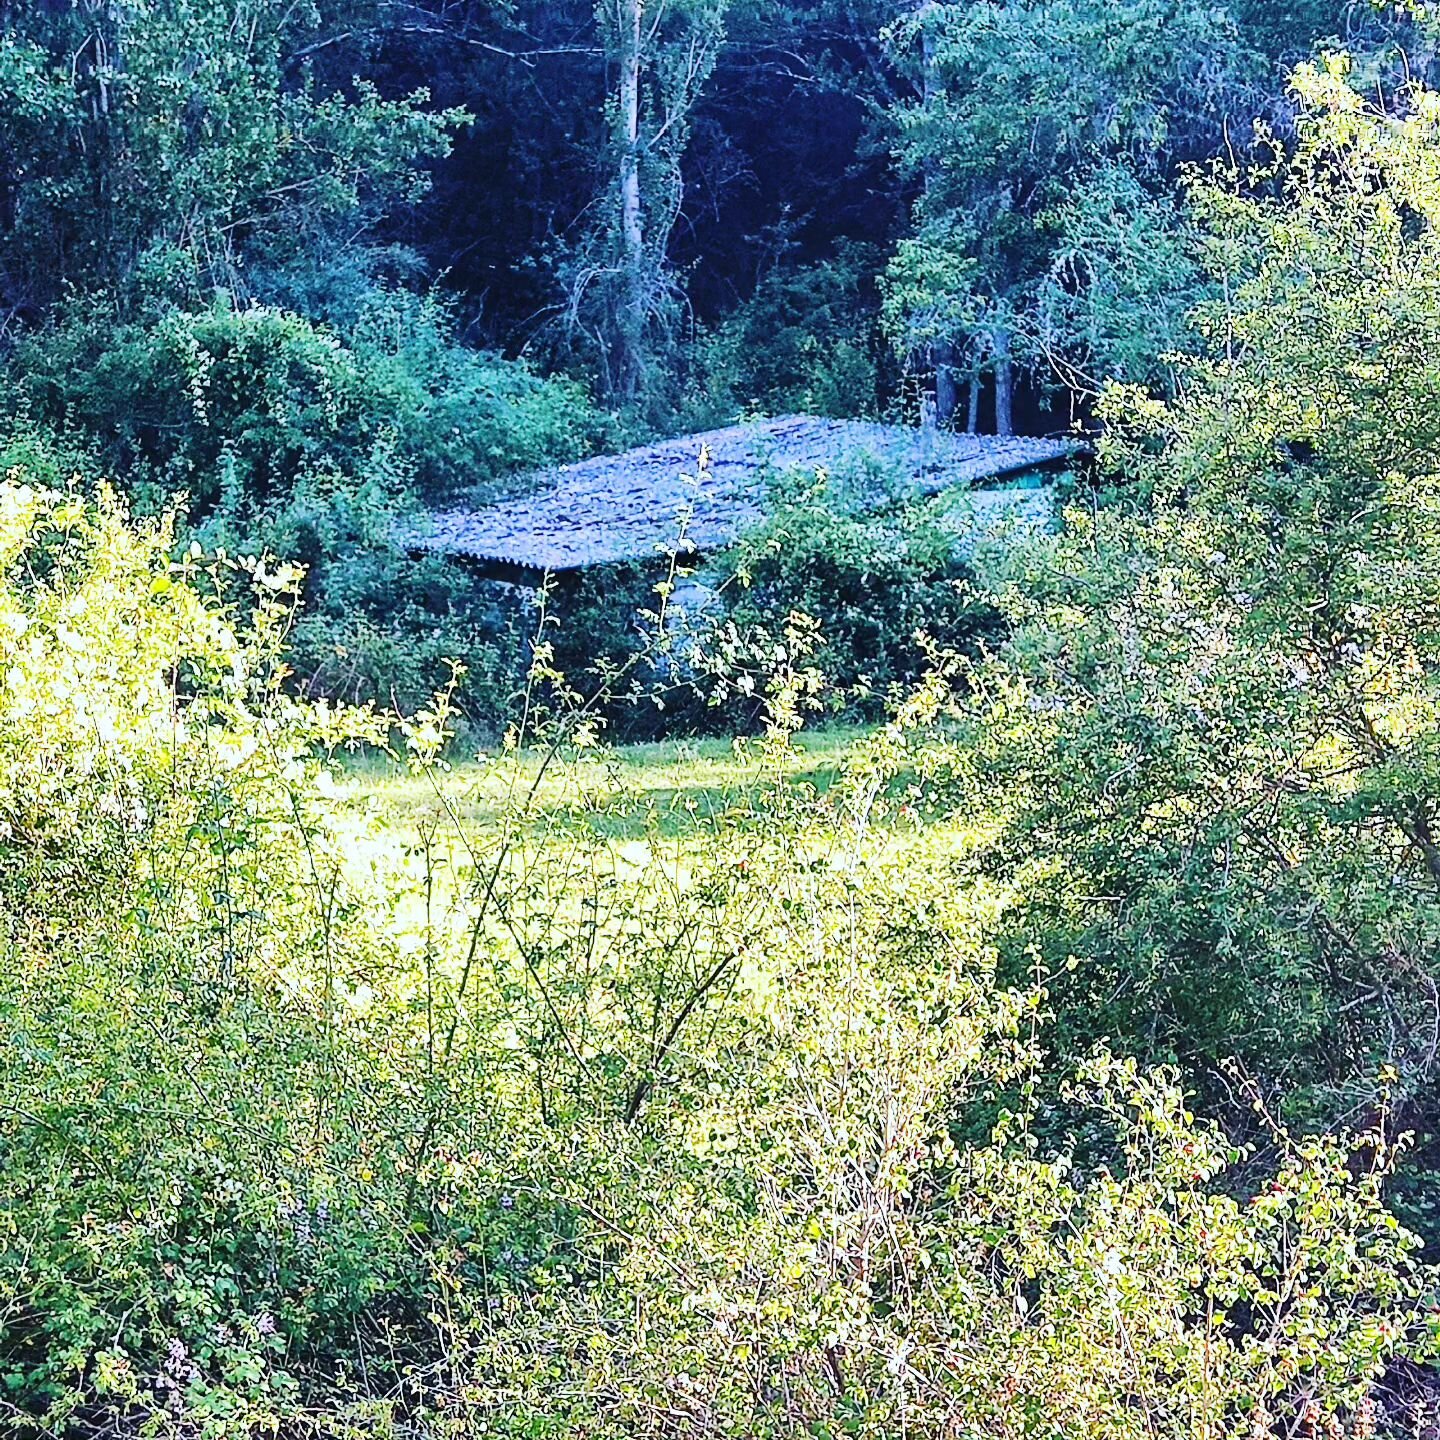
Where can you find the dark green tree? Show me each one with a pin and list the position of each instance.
(153, 145)
(1047, 140)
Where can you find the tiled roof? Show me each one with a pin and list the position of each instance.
(649, 502)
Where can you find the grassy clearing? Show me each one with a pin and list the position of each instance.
(632, 791)
(427, 840)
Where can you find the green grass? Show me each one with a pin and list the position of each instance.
(427, 840)
(622, 793)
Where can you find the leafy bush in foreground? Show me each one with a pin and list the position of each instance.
(1216, 733)
(561, 1134)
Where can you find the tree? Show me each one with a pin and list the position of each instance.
(1221, 712)
(1127, 270)
(1023, 100)
(161, 145)
(1044, 131)
(621, 290)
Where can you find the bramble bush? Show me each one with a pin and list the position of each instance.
(243, 397)
(585, 1120)
(844, 572)
(884, 586)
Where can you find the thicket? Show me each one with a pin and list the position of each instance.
(666, 1150)
(883, 577)
(197, 307)
(980, 183)
(806, 342)
(289, 436)
(1218, 707)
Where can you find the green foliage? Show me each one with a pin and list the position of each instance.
(882, 587)
(805, 342)
(234, 403)
(380, 623)
(1026, 107)
(155, 805)
(537, 1131)
(169, 142)
(992, 1292)
(1047, 140)
(623, 307)
(1126, 274)
(591, 1102)
(1216, 726)
(464, 418)
(186, 210)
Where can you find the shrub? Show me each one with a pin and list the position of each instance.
(466, 418)
(162, 1053)
(253, 397)
(1216, 725)
(285, 434)
(873, 580)
(806, 341)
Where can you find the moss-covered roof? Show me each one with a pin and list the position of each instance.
(656, 500)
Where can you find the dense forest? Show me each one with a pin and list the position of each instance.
(960, 984)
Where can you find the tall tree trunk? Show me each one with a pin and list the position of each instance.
(947, 393)
(942, 352)
(1004, 385)
(972, 406)
(630, 366)
(103, 60)
(659, 72)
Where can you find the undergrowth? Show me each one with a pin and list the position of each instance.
(585, 1120)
